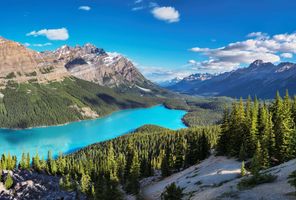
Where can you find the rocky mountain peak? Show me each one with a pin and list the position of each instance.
(20, 64)
(257, 63)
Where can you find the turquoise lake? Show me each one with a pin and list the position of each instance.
(73, 136)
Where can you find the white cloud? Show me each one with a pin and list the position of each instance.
(38, 45)
(168, 14)
(138, 8)
(162, 74)
(138, 1)
(287, 55)
(85, 8)
(51, 34)
(42, 45)
(260, 46)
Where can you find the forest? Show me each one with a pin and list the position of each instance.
(32, 104)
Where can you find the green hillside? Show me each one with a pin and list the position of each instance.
(33, 104)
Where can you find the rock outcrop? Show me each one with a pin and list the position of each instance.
(21, 64)
(29, 185)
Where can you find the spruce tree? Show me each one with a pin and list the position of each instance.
(8, 182)
(133, 185)
(166, 163)
(257, 160)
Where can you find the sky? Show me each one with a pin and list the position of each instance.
(164, 38)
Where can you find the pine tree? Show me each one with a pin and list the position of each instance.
(111, 163)
(223, 142)
(257, 160)
(179, 154)
(133, 185)
(8, 182)
(85, 183)
(243, 169)
(22, 164)
(166, 163)
(28, 161)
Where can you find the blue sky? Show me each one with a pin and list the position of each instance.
(165, 38)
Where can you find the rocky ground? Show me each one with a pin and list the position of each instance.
(217, 178)
(30, 186)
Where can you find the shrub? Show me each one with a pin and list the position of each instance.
(10, 75)
(292, 179)
(172, 192)
(252, 181)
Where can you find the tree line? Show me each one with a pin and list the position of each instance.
(264, 131)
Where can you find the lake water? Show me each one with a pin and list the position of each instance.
(76, 135)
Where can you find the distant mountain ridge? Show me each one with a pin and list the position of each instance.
(262, 79)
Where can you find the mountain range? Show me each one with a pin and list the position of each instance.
(261, 79)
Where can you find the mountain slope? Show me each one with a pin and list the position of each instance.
(261, 79)
(217, 178)
(33, 104)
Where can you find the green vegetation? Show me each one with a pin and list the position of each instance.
(292, 179)
(172, 192)
(201, 111)
(33, 104)
(8, 182)
(265, 133)
(253, 181)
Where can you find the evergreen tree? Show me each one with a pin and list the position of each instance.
(133, 185)
(243, 169)
(85, 183)
(22, 164)
(257, 160)
(223, 142)
(179, 154)
(172, 192)
(8, 182)
(166, 163)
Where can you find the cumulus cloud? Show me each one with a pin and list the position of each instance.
(51, 34)
(259, 46)
(85, 8)
(168, 14)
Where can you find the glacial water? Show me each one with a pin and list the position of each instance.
(73, 136)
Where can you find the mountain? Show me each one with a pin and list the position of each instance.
(260, 79)
(86, 62)
(68, 84)
(189, 81)
(171, 82)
